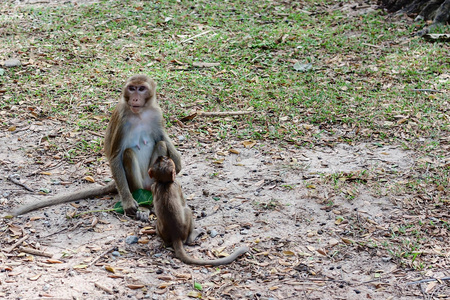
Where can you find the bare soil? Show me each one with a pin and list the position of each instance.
(301, 230)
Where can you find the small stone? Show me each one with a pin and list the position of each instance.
(132, 239)
(13, 62)
(244, 231)
(386, 259)
(157, 255)
(115, 253)
(181, 138)
(46, 287)
(213, 233)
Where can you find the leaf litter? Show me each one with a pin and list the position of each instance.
(333, 220)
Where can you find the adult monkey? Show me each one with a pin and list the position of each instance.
(174, 223)
(134, 138)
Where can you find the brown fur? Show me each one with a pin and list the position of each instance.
(174, 223)
(137, 120)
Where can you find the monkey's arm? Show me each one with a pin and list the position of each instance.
(73, 196)
(172, 152)
(129, 205)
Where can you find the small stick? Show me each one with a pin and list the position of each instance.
(35, 252)
(16, 244)
(426, 90)
(108, 290)
(100, 256)
(222, 113)
(428, 280)
(15, 181)
(196, 36)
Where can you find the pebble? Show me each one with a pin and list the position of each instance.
(213, 233)
(2, 72)
(181, 138)
(13, 62)
(46, 287)
(157, 255)
(132, 239)
(115, 253)
(244, 231)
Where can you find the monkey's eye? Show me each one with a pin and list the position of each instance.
(141, 88)
(131, 88)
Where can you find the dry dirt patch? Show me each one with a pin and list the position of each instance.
(300, 229)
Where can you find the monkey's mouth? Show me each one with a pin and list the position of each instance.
(135, 109)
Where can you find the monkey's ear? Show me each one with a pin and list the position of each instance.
(150, 173)
(174, 174)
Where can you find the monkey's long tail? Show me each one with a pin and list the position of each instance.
(74, 196)
(182, 255)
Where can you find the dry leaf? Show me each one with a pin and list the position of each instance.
(89, 178)
(34, 278)
(234, 151)
(347, 241)
(321, 251)
(288, 253)
(45, 173)
(249, 144)
(204, 64)
(135, 286)
(54, 261)
(194, 294)
(333, 242)
(80, 267)
(12, 128)
(110, 269)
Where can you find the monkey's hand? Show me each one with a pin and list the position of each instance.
(130, 206)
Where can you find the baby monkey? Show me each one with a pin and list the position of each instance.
(174, 219)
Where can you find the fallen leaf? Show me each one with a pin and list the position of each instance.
(204, 64)
(89, 178)
(288, 253)
(194, 294)
(54, 261)
(34, 278)
(110, 269)
(249, 144)
(198, 286)
(135, 286)
(234, 151)
(80, 266)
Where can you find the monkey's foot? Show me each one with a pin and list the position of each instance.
(143, 214)
(195, 234)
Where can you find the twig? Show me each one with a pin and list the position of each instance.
(108, 290)
(61, 230)
(428, 280)
(196, 36)
(222, 113)
(100, 256)
(35, 252)
(15, 181)
(426, 90)
(16, 244)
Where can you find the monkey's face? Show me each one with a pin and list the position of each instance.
(136, 95)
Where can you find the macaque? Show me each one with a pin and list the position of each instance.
(134, 138)
(175, 224)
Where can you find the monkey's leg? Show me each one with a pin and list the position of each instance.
(193, 233)
(135, 182)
